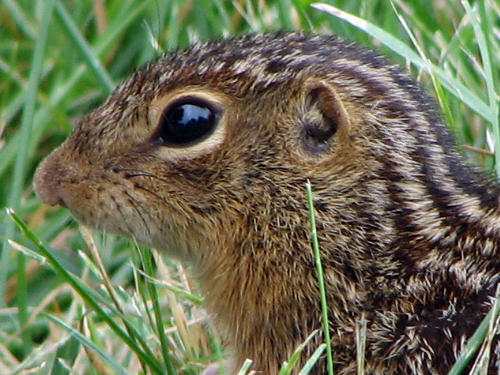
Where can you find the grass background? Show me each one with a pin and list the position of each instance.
(59, 59)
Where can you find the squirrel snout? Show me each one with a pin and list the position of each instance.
(47, 183)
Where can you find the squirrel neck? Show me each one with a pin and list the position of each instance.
(257, 287)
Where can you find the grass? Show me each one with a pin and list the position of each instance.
(60, 59)
(321, 279)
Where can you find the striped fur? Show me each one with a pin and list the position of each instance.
(409, 233)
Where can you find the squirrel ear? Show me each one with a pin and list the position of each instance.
(326, 117)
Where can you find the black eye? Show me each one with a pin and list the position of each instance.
(186, 122)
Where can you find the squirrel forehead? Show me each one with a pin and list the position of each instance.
(262, 61)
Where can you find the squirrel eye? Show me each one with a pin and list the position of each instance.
(186, 122)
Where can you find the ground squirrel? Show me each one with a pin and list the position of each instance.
(205, 153)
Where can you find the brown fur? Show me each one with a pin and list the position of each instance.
(409, 233)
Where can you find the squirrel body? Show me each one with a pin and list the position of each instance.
(206, 153)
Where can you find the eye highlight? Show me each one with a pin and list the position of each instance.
(186, 122)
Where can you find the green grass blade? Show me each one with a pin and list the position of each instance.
(245, 367)
(361, 344)
(194, 298)
(285, 13)
(321, 279)
(88, 55)
(46, 355)
(489, 76)
(148, 266)
(28, 252)
(475, 342)
(435, 81)
(451, 84)
(127, 15)
(19, 177)
(312, 361)
(289, 366)
(132, 331)
(21, 19)
(173, 35)
(110, 361)
(84, 292)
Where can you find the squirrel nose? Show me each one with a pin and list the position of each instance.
(47, 183)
